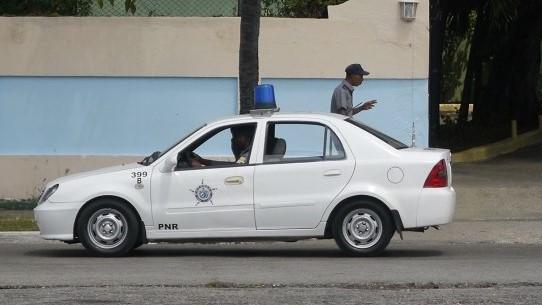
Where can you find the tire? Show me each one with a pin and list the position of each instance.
(140, 237)
(362, 228)
(118, 224)
(138, 244)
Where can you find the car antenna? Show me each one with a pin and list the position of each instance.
(413, 144)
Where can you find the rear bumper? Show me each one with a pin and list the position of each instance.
(56, 220)
(436, 206)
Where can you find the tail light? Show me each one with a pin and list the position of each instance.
(438, 177)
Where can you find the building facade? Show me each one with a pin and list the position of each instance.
(78, 93)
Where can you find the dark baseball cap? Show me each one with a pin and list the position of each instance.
(355, 69)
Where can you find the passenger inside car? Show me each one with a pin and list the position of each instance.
(241, 144)
(275, 148)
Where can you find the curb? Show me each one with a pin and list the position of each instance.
(19, 232)
(489, 151)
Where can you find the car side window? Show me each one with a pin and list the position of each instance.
(301, 142)
(225, 146)
(217, 148)
(334, 148)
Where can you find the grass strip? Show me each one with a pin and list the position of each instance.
(17, 220)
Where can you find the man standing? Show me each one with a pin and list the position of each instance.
(341, 101)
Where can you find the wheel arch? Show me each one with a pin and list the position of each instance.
(393, 214)
(142, 231)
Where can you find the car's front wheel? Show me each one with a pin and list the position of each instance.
(362, 228)
(108, 228)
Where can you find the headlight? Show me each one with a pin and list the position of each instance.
(50, 191)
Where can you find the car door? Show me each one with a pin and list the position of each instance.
(304, 168)
(218, 196)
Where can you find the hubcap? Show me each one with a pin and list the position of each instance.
(362, 228)
(107, 228)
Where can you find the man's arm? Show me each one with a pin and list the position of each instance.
(365, 106)
(200, 162)
(357, 110)
(342, 111)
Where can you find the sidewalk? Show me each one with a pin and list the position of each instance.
(497, 232)
(458, 232)
(505, 188)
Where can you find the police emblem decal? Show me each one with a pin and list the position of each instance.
(203, 193)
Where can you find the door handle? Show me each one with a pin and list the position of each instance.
(234, 180)
(332, 172)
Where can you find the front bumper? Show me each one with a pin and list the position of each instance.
(436, 206)
(56, 220)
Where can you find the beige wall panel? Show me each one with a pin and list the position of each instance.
(28, 174)
(321, 49)
(119, 46)
(367, 31)
(373, 12)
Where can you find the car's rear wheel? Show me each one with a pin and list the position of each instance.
(362, 228)
(108, 228)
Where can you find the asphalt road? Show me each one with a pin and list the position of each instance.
(421, 270)
(496, 261)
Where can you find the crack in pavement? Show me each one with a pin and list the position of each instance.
(355, 286)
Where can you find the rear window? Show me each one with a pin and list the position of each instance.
(382, 136)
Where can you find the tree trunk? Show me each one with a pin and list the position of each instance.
(437, 28)
(474, 66)
(248, 52)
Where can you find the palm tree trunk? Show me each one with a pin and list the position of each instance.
(438, 14)
(474, 66)
(248, 52)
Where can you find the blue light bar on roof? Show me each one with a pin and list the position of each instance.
(264, 97)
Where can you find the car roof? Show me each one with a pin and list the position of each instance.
(282, 115)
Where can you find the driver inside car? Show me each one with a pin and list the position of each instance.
(241, 144)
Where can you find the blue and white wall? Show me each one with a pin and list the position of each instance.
(81, 93)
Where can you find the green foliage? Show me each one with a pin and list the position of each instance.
(56, 7)
(455, 54)
(490, 59)
(17, 215)
(23, 204)
(461, 23)
(297, 8)
(129, 5)
(101, 3)
(45, 7)
(270, 8)
(502, 12)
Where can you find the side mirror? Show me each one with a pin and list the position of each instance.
(169, 164)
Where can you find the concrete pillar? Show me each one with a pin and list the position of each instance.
(514, 129)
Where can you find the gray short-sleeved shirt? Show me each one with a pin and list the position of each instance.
(342, 98)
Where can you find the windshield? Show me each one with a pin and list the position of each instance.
(157, 154)
(382, 136)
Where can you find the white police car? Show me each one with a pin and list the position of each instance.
(260, 176)
(305, 175)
